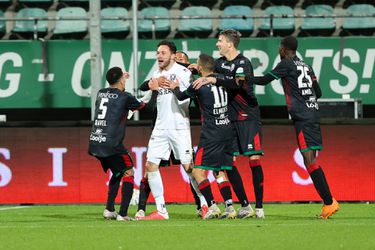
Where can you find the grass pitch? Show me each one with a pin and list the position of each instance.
(285, 227)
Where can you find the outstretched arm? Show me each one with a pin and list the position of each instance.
(262, 80)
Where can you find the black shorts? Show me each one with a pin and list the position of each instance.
(118, 164)
(247, 138)
(214, 155)
(308, 134)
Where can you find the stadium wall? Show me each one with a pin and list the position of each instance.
(51, 165)
(344, 66)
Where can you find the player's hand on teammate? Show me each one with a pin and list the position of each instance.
(197, 84)
(153, 84)
(163, 82)
(193, 66)
(173, 85)
(126, 75)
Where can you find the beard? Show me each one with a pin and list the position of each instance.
(165, 64)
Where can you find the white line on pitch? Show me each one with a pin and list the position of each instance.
(11, 208)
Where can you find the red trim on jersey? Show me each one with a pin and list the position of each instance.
(312, 167)
(257, 145)
(127, 160)
(223, 184)
(255, 163)
(198, 157)
(140, 107)
(287, 90)
(301, 141)
(240, 99)
(204, 184)
(129, 179)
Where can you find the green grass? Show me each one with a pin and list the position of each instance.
(285, 227)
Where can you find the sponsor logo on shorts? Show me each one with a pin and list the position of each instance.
(250, 146)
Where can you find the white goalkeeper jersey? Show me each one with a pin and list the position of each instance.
(172, 113)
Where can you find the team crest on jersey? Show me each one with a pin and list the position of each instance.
(173, 77)
(232, 67)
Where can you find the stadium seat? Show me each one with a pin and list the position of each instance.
(268, 3)
(71, 28)
(195, 27)
(244, 24)
(44, 4)
(282, 25)
(226, 3)
(162, 26)
(322, 26)
(156, 3)
(2, 24)
(359, 25)
(115, 28)
(25, 29)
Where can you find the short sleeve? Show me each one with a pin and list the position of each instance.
(281, 69)
(184, 79)
(133, 103)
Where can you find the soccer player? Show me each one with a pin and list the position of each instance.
(301, 90)
(106, 139)
(244, 114)
(215, 145)
(172, 127)
(144, 189)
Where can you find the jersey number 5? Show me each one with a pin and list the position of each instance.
(303, 76)
(102, 108)
(221, 101)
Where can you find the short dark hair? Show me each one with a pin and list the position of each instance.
(172, 47)
(114, 75)
(232, 35)
(207, 62)
(290, 42)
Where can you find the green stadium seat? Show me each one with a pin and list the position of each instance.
(162, 26)
(359, 25)
(71, 28)
(195, 27)
(115, 28)
(244, 24)
(322, 26)
(25, 29)
(282, 24)
(2, 24)
(226, 3)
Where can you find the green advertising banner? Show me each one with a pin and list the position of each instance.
(344, 66)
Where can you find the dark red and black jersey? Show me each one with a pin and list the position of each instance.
(213, 103)
(242, 99)
(108, 130)
(297, 79)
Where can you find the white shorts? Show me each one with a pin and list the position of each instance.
(162, 141)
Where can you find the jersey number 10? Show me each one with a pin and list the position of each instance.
(220, 96)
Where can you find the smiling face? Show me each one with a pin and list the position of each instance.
(165, 57)
(223, 45)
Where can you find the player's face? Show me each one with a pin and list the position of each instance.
(223, 45)
(165, 57)
(181, 58)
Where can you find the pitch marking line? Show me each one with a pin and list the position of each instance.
(12, 208)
